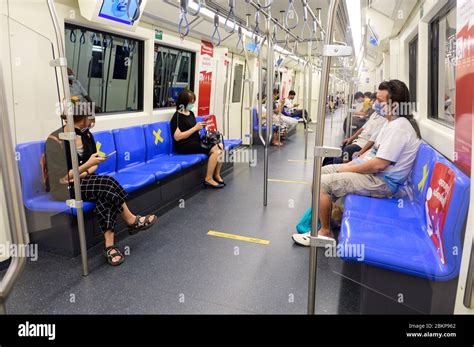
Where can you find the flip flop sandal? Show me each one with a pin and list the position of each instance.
(111, 253)
(140, 226)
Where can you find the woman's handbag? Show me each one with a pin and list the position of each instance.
(210, 139)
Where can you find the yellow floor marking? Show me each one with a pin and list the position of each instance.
(299, 161)
(238, 237)
(286, 181)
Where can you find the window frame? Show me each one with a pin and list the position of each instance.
(141, 64)
(192, 70)
(434, 63)
(413, 70)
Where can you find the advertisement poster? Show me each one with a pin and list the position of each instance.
(464, 83)
(205, 78)
(438, 198)
(211, 123)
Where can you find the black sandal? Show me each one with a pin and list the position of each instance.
(220, 182)
(111, 253)
(140, 226)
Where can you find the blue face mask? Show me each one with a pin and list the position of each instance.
(190, 107)
(379, 108)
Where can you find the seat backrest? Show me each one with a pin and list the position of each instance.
(421, 173)
(105, 143)
(446, 208)
(130, 145)
(158, 139)
(29, 163)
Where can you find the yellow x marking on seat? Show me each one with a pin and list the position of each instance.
(158, 137)
(99, 146)
(422, 183)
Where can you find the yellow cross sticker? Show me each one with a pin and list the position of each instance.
(422, 183)
(158, 137)
(99, 146)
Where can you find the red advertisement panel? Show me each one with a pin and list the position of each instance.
(464, 83)
(438, 198)
(205, 78)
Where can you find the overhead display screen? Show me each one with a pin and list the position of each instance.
(116, 10)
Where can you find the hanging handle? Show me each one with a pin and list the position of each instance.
(183, 26)
(231, 16)
(267, 6)
(240, 44)
(216, 36)
(133, 17)
(291, 12)
(195, 14)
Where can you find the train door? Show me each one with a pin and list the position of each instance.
(120, 84)
(236, 98)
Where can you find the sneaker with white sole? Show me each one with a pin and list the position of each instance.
(302, 239)
(305, 239)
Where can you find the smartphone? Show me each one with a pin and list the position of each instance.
(110, 154)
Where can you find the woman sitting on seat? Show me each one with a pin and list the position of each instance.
(105, 191)
(185, 130)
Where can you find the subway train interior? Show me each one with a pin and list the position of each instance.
(144, 172)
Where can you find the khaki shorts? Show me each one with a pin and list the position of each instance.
(338, 185)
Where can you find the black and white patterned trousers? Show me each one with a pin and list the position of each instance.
(109, 197)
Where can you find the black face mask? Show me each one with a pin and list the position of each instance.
(80, 132)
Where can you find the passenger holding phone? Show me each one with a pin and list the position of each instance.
(185, 131)
(104, 190)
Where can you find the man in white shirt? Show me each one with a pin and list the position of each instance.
(380, 172)
(290, 108)
(290, 122)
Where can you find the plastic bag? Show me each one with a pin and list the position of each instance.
(304, 224)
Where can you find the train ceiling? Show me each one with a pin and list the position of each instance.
(166, 13)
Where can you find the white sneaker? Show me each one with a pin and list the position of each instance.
(310, 130)
(302, 239)
(305, 240)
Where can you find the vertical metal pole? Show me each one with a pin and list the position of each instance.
(308, 96)
(250, 101)
(305, 119)
(226, 99)
(270, 77)
(349, 108)
(14, 201)
(260, 93)
(70, 128)
(313, 253)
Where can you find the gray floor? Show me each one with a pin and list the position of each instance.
(177, 268)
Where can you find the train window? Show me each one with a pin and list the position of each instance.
(442, 93)
(105, 68)
(174, 71)
(413, 70)
(238, 80)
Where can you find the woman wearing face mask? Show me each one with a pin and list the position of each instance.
(185, 130)
(104, 190)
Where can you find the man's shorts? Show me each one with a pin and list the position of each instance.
(338, 185)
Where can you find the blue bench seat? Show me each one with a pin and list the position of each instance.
(35, 197)
(130, 181)
(395, 232)
(159, 147)
(255, 122)
(132, 153)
